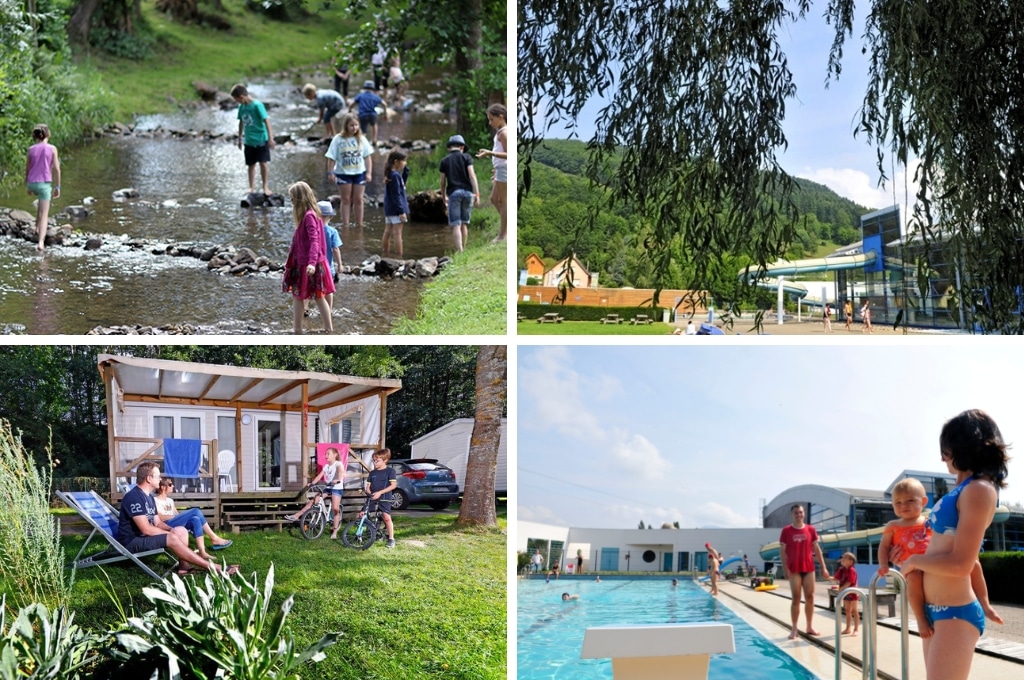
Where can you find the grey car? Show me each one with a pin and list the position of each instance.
(423, 480)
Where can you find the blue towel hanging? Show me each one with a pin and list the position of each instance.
(181, 457)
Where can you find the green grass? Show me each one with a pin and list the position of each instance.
(531, 327)
(434, 606)
(470, 296)
(255, 46)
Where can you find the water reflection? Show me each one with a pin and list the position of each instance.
(190, 190)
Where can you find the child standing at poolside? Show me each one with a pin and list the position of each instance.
(306, 272)
(350, 163)
(846, 577)
(865, 315)
(396, 204)
(254, 130)
(848, 313)
(42, 175)
(910, 534)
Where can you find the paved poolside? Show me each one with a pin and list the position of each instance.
(998, 658)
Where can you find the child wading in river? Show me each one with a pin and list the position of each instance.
(306, 272)
(255, 134)
(42, 175)
(396, 204)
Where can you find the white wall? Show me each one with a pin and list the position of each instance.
(449, 444)
(729, 542)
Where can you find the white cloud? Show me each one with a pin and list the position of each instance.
(540, 514)
(862, 188)
(633, 455)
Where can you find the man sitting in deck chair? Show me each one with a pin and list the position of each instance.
(141, 529)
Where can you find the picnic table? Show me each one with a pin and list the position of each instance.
(550, 317)
(641, 319)
(611, 318)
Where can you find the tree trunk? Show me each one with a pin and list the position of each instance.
(81, 20)
(491, 380)
(469, 59)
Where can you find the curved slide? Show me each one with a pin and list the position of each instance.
(854, 539)
(810, 266)
(722, 566)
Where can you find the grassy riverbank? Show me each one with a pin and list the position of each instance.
(182, 54)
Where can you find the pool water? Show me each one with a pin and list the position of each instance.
(550, 631)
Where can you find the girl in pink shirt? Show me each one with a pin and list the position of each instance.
(42, 175)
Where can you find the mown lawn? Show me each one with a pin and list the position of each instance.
(531, 327)
(433, 607)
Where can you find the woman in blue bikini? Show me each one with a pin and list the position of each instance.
(973, 449)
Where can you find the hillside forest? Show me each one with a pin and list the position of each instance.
(552, 217)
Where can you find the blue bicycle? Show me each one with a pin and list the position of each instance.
(362, 532)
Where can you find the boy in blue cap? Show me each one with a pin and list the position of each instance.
(367, 102)
(460, 189)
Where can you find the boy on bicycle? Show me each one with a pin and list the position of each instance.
(379, 484)
(333, 475)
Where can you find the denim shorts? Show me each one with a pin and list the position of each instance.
(460, 207)
(42, 190)
(351, 179)
(392, 219)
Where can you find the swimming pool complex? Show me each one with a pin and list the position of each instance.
(550, 632)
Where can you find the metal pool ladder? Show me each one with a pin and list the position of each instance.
(869, 639)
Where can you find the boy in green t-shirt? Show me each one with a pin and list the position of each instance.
(254, 131)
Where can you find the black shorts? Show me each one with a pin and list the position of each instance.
(257, 154)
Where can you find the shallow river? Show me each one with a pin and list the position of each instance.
(191, 191)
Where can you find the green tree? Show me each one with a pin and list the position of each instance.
(697, 106)
(467, 35)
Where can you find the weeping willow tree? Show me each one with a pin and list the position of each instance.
(697, 93)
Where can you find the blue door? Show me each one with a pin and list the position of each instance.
(700, 561)
(609, 559)
(684, 561)
(667, 562)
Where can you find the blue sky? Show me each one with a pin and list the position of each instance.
(820, 122)
(609, 435)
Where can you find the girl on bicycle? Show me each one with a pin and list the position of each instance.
(333, 475)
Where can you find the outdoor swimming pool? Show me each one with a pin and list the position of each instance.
(550, 632)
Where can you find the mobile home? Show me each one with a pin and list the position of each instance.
(449, 444)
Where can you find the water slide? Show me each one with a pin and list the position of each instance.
(814, 265)
(855, 539)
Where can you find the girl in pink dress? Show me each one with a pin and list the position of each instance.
(307, 274)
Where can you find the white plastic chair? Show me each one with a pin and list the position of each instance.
(225, 464)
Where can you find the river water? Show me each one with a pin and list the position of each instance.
(190, 190)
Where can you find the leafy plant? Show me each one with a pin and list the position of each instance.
(31, 558)
(217, 627)
(43, 645)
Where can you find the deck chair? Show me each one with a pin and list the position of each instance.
(103, 518)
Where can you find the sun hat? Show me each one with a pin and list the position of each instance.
(326, 208)
(456, 140)
(369, 85)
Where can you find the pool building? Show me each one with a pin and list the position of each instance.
(844, 518)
